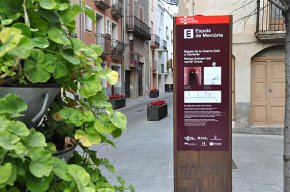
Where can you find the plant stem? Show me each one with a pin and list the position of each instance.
(26, 19)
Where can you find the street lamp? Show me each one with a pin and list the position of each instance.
(171, 2)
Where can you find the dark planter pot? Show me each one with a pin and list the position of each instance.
(37, 97)
(157, 113)
(65, 154)
(154, 94)
(118, 103)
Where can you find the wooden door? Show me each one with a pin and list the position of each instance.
(268, 92)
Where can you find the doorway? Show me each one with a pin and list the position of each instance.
(268, 92)
(127, 84)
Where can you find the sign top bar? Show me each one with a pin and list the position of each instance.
(200, 19)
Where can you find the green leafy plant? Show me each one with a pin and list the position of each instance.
(35, 48)
(27, 162)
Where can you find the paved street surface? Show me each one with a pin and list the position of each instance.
(144, 154)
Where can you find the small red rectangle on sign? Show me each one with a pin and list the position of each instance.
(199, 19)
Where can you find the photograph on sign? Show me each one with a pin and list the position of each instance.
(202, 97)
(212, 76)
(192, 76)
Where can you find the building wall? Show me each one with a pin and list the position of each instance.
(168, 23)
(245, 46)
(141, 46)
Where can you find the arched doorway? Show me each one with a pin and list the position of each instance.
(268, 87)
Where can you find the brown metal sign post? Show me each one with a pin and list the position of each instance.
(202, 104)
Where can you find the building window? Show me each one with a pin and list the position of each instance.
(88, 23)
(108, 26)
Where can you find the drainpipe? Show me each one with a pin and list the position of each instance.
(123, 39)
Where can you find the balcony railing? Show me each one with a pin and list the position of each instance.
(104, 40)
(270, 22)
(102, 4)
(117, 48)
(138, 27)
(69, 34)
(155, 41)
(117, 9)
(164, 45)
(134, 59)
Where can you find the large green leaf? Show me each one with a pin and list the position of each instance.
(35, 184)
(24, 28)
(60, 169)
(20, 151)
(58, 36)
(112, 76)
(13, 175)
(89, 116)
(19, 129)
(68, 54)
(23, 48)
(10, 37)
(8, 140)
(37, 22)
(4, 123)
(5, 172)
(40, 42)
(35, 67)
(42, 162)
(62, 6)
(77, 44)
(12, 104)
(50, 61)
(61, 69)
(119, 120)
(91, 85)
(36, 139)
(93, 51)
(47, 4)
(87, 139)
(104, 126)
(71, 115)
(91, 14)
(81, 177)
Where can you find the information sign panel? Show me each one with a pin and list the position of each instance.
(203, 83)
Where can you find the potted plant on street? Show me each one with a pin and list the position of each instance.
(36, 50)
(117, 101)
(156, 110)
(154, 93)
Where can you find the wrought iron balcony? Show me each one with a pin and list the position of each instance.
(163, 46)
(102, 4)
(117, 48)
(138, 28)
(134, 59)
(270, 22)
(117, 9)
(104, 40)
(155, 41)
(69, 34)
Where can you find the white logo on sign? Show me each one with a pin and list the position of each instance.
(188, 33)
